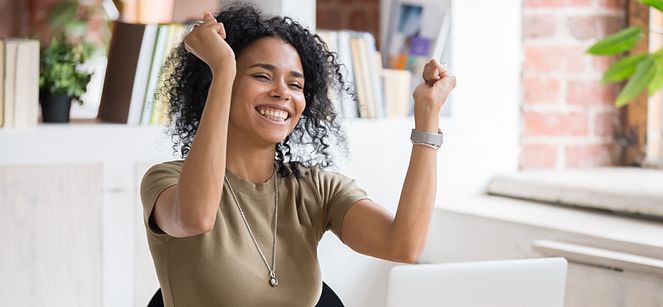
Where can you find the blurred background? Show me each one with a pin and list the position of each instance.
(541, 157)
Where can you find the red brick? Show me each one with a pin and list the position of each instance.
(590, 92)
(589, 155)
(602, 63)
(539, 26)
(594, 26)
(541, 90)
(555, 124)
(556, 3)
(554, 58)
(536, 156)
(604, 123)
(618, 4)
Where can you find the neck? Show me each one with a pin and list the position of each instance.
(254, 163)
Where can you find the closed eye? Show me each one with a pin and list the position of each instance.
(296, 85)
(261, 77)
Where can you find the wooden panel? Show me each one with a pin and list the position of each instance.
(634, 115)
(50, 221)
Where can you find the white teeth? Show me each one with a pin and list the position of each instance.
(273, 114)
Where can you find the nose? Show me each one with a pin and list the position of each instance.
(280, 91)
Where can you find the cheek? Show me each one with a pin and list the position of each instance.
(300, 103)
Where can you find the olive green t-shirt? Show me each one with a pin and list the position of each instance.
(223, 267)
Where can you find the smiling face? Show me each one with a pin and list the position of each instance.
(268, 92)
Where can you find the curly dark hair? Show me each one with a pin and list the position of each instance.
(187, 81)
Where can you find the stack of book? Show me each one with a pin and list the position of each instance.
(379, 92)
(19, 83)
(135, 59)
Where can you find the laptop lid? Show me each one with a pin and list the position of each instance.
(505, 283)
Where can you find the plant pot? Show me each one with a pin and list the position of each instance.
(55, 108)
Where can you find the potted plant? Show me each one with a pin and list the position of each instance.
(644, 72)
(60, 79)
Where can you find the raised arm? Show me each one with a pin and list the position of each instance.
(370, 229)
(189, 208)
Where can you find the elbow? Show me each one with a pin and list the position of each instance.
(406, 255)
(195, 225)
(203, 226)
(193, 222)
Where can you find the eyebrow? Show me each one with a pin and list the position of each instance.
(272, 68)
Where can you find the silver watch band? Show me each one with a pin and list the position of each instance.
(432, 140)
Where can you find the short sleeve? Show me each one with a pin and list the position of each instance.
(338, 193)
(157, 179)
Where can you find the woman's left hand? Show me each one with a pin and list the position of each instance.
(429, 96)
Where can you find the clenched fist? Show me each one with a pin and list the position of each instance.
(207, 42)
(430, 95)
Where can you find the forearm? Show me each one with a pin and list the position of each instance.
(201, 178)
(415, 207)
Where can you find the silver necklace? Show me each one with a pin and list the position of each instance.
(273, 281)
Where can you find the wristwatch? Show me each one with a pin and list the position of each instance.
(431, 140)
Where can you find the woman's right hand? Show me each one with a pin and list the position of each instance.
(207, 42)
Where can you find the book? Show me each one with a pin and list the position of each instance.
(2, 82)
(331, 39)
(123, 57)
(139, 87)
(11, 58)
(360, 67)
(349, 102)
(26, 84)
(358, 73)
(374, 68)
(155, 72)
(396, 92)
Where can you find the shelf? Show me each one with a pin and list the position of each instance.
(91, 140)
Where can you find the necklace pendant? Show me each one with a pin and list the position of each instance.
(272, 279)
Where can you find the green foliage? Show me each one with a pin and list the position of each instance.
(643, 71)
(617, 43)
(58, 68)
(658, 4)
(622, 69)
(71, 17)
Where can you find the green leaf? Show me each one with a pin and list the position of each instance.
(644, 73)
(658, 4)
(657, 82)
(622, 69)
(616, 43)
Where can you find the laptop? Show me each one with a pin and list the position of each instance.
(536, 282)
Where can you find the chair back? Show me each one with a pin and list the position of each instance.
(328, 298)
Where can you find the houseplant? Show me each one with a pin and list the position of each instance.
(643, 71)
(60, 79)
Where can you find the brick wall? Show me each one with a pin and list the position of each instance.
(568, 117)
(358, 15)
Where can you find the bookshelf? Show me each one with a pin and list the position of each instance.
(481, 139)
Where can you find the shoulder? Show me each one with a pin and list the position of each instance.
(172, 166)
(162, 171)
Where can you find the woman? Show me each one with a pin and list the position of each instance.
(237, 222)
